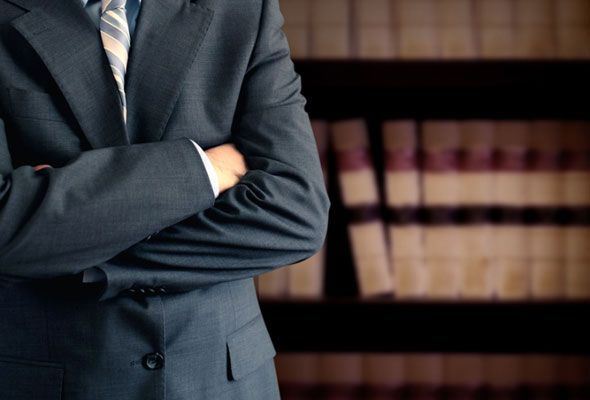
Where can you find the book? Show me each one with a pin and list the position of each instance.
(360, 196)
(573, 376)
(341, 376)
(510, 197)
(372, 26)
(534, 36)
(330, 29)
(403, 200)
(540, 376)
(441, 191)
(383, 376)
(577, 259)
(415, 27)
(475, 196)
(576, 199)
(463, 375)
(503, 375)
(298, 375)
(544, 197)
(424, 375)
(297, 26)
(573, 29)
(456, 29)
(495, 28)
(273, 284)
(306, 278)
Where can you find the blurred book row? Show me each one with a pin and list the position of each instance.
(460, 209)
(437, 29)
(380, 376)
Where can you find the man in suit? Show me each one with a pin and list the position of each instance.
(127, 250)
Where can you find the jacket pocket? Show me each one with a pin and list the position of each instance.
(27, 380)
(33, 104)
(248, 347)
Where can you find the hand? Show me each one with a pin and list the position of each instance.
(229, 164)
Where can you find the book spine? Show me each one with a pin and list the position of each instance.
(416, 29)
(330, 29)
(297, 20)
(540, 376)
(476, 196)
(544, 197)
(573, 29)
(383, 376)
(495, 28)
(456, 30)
(440, 188)
(503, 376)
(534, 29)
(306, 278)
(572, 376)
(424, 376)
(273, 284)
(576, 200)
(372, 29)
(403, 198)
(510, 197)
(360, 196)
(298, 375)
(463, 376)
(341, 376)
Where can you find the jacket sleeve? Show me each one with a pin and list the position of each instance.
(276, 215)
(60, 221)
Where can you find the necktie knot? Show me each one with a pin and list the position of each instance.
(112, 4)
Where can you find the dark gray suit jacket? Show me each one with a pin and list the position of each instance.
(178, 318)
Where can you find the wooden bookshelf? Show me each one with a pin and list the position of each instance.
(350, 325)
(446, 89)
(379, 90)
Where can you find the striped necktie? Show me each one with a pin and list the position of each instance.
(116, 41)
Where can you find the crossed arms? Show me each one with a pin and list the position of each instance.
(96, 210)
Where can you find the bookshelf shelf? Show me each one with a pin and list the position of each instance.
(426, 90)
(445, 89)
(349, 325)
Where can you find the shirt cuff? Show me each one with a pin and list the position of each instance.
(210, 170)
(93, 274)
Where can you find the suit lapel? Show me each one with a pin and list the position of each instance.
(69, 44)
(166, 40)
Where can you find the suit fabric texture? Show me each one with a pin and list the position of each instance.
(178, 317)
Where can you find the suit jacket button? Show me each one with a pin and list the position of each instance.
(153, 361)
(130, 292)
